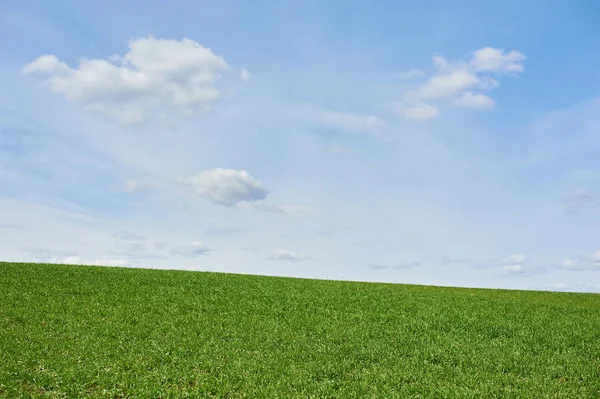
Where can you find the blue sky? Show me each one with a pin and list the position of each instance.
(453, 143)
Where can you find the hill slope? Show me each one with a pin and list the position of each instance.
(114, 332)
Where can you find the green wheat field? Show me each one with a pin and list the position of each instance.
(78, 331)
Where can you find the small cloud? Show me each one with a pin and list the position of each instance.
(196, 248)
(245, 75)
(226, 187)
(418, 112)
(497, 60)
(378, 267)
(287, 255)
(412, 74)
(474, 101)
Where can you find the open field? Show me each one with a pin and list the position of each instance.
(73, 331)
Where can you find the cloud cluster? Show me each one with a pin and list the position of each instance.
(460, 83)
(287, 255)
(226, 187)
(154, 72)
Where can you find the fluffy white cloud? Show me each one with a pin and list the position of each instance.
(419, 112)
(287, 255)
(227, 187)
(455, 83)
(154, 72)
(196, 248)
(474, 101)
(447, 84)
(497, 60)
(595, 258)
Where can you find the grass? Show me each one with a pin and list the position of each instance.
(73, 331)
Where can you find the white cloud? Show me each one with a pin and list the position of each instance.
(455, 83)
(154, 72)
(496, 60)
(227, 187)
(419, 112)
(196, 248)
(287, 255)
(412, 74)
(447, 84)
(245, 75)
(474, 101)
(514, 269)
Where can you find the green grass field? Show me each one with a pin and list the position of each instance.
(73, 331)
